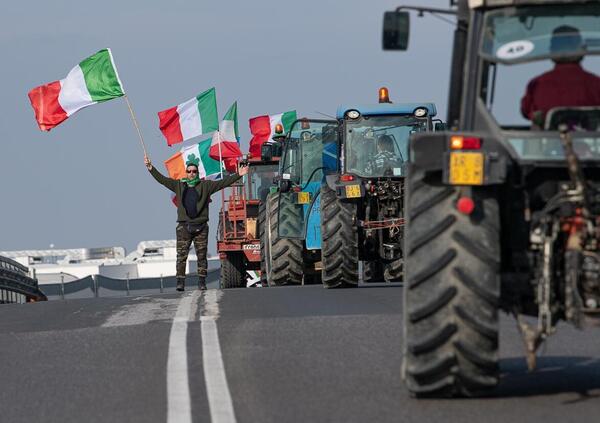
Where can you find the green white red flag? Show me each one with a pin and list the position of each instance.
(190, 119)
(225, 142)
(92, 81)
(263, 128)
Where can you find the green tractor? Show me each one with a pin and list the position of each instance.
(291, 238)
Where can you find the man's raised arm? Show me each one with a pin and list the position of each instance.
(215, 186)
(169, 183)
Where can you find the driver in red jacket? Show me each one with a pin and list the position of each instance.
(568, 84)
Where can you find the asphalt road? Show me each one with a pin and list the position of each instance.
(299, 354)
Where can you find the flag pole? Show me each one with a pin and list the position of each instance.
(220, 154)
(135, 123)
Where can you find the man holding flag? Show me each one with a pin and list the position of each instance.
(192, 214)
(195, 117)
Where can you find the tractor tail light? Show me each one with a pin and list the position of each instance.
(458, 142)
(465, 205)
(346, 177)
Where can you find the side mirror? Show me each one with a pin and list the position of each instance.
(269, 150)
(396, 28)
(285, 185)
(266, 152)
(440, 126)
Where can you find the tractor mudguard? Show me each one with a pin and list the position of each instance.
(332, 180)
(334, 183)
(313, 224)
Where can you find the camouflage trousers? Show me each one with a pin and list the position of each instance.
(184, 242)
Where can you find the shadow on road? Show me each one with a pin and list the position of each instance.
(554, 375)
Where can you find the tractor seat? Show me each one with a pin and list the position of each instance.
(576, 118)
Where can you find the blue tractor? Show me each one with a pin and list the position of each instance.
(292, 230)
(362, 201)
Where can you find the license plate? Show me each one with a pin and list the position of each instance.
(466, 168)
(303, 197)
(352, 191)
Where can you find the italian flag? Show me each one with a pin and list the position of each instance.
(190, 119)
(263, 128)
(197, 154)
(225, 142)
(92, 81)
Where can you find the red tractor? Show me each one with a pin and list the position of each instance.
(238, 240)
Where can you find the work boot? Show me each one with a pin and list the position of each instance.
(180, 285)
(202, 284)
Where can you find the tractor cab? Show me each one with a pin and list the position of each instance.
(375, 138)
(309, 153)
(260, 177)
(373, 145)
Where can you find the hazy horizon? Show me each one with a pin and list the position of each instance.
(84, 183)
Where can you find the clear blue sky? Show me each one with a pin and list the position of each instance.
(84, 183)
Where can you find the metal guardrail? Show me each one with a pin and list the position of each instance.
(15, 284)
(101, 286)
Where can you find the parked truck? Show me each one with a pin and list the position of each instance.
(501, 215)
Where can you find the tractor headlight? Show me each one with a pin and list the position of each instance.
(420, 112)
(352, 114)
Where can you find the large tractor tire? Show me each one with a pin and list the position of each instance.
(394, 271)
(373, 271)
(262, 236)
(452, 291)
(339, 247)
(284, 255)
(233, 271)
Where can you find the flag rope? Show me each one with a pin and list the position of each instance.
(135, 123)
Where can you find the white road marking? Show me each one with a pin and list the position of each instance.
(219, 397)
(179, 407)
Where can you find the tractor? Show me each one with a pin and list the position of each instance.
(238, 241)
(503, 212)
(362, 200)
(292, 238)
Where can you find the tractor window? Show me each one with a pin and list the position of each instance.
(291, 159)
(512, 35)
(306, 166)
(522, 90)
(261, 180)
(377, 146)
(547, 146)
(304, 158)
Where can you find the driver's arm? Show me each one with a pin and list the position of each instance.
(370, 167)
(527, 102)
